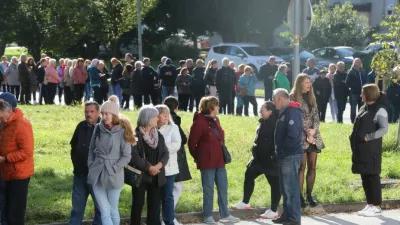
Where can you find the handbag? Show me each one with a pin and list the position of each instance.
(132, 176)
(225, 152)
(243, 91)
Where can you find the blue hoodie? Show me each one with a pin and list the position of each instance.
(289, 131)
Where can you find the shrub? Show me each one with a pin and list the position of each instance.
(175, 49)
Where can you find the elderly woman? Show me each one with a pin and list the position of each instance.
(149, 155)
(303, 94)
(248, 81)
(371, 124)
(104, 76)
(95, 80)
(11, 74)
(137, 82)
(79, 77)
(172, 138)
(332, 100)
(33, 69)
(205, 139)
(52, 80)
(209, 77)
(68, 80)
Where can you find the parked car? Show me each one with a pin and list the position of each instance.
(335, 54)
(287, 55)
(247, 53)
(378, 46)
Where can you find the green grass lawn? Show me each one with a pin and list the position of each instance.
(15, 51)
(260, 93)
(50, 188)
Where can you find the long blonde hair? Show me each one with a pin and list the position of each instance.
(209, 64)
(124, 122)
(297, 91)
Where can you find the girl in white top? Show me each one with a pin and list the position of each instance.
(172, 138)
(332, 100)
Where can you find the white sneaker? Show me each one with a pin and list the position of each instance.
(269, 214)
(176, 222)
(241, 205)
(229, 219)
(372, 211)
(360, 213)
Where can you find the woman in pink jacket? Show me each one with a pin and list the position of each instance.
(79, 77)
(52, 79)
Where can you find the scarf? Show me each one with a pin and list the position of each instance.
(150, 138)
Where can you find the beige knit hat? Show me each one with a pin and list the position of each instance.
(111, 106)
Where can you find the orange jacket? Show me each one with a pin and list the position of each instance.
(16, 144)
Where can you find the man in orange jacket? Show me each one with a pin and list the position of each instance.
(16, 158)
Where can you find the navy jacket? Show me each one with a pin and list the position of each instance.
(288, 131)
(168, 80)
(355, 80)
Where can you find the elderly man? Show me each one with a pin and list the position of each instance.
(25, 80)
(80, 143)
(341, 89)
(288, 146)
(129, 59)
(16, 158)
(311, 71)
(225, 81)
(168, 77)
(355, 80)
(267, 73)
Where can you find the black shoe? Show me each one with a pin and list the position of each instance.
(302, 202)
(292, 223)
(311, 200)
(280, 220)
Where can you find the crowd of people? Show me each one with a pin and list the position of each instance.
(287, 141)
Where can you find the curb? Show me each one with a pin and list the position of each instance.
(196, 217)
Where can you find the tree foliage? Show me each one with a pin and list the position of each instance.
(340, 25)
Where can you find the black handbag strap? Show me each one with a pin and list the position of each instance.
(216, 133)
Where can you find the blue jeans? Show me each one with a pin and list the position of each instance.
(107, 200)
(208, 177)
(88, 91)
(354, 101)
(116, 90)
(168, 209)
(167, 91)
(289, 183)
(80, 193)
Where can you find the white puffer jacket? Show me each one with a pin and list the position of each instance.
(173, 140)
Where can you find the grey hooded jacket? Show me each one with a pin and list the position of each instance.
(109, 152)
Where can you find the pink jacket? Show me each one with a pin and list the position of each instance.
(52, 75)
(80, 75)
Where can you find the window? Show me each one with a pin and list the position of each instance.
(235, 51)
(220, 49)
(256, 51)
(330, 53)
(320, 52)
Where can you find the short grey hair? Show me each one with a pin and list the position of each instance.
(189, 60)
(164, 109)
(53, 62)
(225, 60)
(340, 63)
(281, 93)
(138, 63)
(271, 58)
(145, 115)
(281, 67)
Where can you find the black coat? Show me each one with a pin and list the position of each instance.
(367, 156)
(266, 71)
(168, 80)
(264, 156)
(23, 74)
(198, 80)
(225, 81)
(104, 79)
(40, 74)
(339, 85)
(80, 143)
(209, 77)
(138, 161)
(322, 89)
(137, 83)
(116, 74)
(184, 172)
(150, 79)
(393, 93)
(355, 80)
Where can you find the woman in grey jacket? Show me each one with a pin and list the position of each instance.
(109, 153)
(12, 77)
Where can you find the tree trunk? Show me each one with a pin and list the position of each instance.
(194, 39)
(116, 48)
(2, 48)
(35, 52)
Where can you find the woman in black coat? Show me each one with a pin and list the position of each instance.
(149, 155)
(137, 83)
(371, 124)
(184, 172)
(104, 76)
(264, 161)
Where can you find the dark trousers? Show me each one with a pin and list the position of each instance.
(15, 90)
(372, 188)
(104, 93)
(125, 100)
(42, 93)
(16, 196)
(6, 87)
(138, 101)
(80, 193)
(154, 98)
(68, 95)
(250, 99)
(250, 176)
(191, 102)
(2, 203)
(60, 92)
(268, 93)
(341, 104)
(153, 204)
(225, 105)
(97, 95)
(79, 90)
(393, 112)
(25, 93)
(355, 103)
(197, 97)
(51, 93)
(183, 101)
(322, 105)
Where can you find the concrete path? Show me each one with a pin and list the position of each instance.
(388, 217)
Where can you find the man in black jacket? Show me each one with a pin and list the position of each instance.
(322, 91)
(356, 78)
(168, 77)
(79, 155)
(267, 73)
(341, 89)
(25, 80)
(225, 82)
(151, 85)
(40, 80)
(264, 161)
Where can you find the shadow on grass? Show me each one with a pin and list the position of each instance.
(49, 197)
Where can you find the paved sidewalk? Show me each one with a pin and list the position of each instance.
(388, 217)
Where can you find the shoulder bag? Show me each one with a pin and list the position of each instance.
(132, 176)
(243, 91)
(225, 152)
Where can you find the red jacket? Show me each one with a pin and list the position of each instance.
(204, 145)
(16, 144)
